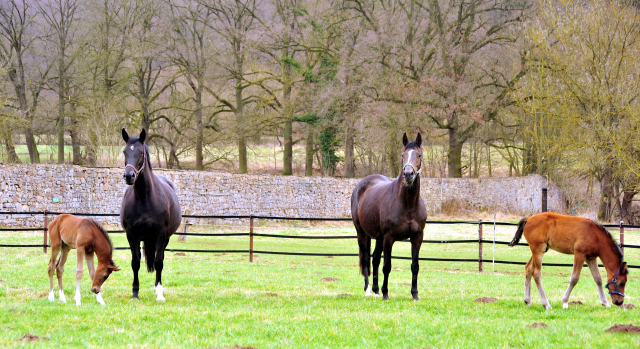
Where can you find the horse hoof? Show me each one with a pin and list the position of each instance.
(99, 299)
(367, 293)
(135, 297)
(160, 299)
(385, 298)
(565, 305)
(548, 307)
(607, 305)
(52, 297)
(415, 298)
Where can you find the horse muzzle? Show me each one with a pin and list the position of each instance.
(409, 177)
(95, 290)
(130, 177)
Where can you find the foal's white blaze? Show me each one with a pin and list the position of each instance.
(63, 299)
(99, 298)
(159, 289)
(52, 296)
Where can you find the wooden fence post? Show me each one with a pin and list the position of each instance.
(622, 237)
(251, 239)
(480, 245)
(46, 229)
(185, 229)
(544, 199)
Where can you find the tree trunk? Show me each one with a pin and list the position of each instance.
(60, 129)
(75, 136)
(606, 189)
(308, 161)
(34, 155)
(625, 215)
(454, 157)
(199, 128)
(287, 166)
(242, 143)
(349, 161)
(12, 156)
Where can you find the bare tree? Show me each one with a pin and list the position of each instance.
(61, 16)
(26, 73)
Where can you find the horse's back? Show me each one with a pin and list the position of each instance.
(70, 229)
(565, 234)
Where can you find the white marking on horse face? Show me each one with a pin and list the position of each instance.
(131, 147)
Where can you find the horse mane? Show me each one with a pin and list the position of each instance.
(105, 234)
(614, 244)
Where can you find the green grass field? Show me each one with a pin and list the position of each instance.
(222, 300)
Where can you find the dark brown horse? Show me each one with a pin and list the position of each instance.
(389, 210)
(88, 238)
(585, 240)
(150, 211)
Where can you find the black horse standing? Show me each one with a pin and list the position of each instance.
(150, 211)
(389, 210)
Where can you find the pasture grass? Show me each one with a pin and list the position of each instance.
(222, 300)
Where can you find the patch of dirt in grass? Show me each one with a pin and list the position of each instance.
(405, 284)
(624, 328)
(12, 310)
(2, 281)
(32, 338)
(329, 256)
(235, 346)
(486, 300)
(329, 279)
(7, 328)
(627, 306)
(576, 303)
(537, 324)
(272, 294)
(344, 295)
(229, 271)
(180, 254)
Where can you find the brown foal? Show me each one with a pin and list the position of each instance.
(88, 238)
(581, 237)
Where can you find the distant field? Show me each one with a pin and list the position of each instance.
(222, 300)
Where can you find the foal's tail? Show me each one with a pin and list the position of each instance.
(519, 232)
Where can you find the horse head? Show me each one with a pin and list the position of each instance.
(135, 156)
(411, 159)
(101, 275)
(616, 285)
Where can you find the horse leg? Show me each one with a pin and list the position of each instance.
(55, 250)
(135, 265)
(158, 263)
(527, 281)
(386, 267)
(377, 254)
(578, 260)
(364, 245)
(60, 269)
(537, 276)
(92, 272)
(595, 272)
(80, 254)
(416, 242)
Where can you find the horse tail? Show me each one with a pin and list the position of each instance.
(149, 255)
(519, 232)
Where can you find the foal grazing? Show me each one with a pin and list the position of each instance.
(150, 211)
(583, 238)
(389, 210)
(87, 237)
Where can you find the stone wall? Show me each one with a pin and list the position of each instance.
(26, 188)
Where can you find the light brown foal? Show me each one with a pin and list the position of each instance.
(585, 240)
(87, 237)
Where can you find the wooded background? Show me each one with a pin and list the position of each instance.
(500, 87)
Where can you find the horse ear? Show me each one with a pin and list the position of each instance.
(623, 268)
(419, 140)
(125, 135)
(405, 140)
(143, 136)
(113, 267)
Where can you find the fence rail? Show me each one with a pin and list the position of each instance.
(480, 241)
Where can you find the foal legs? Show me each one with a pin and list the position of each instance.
(527, 281)
(578, 260)
(92, 273)
(537, 276)
(60, 269)
(81, 255)
(55, 250)
(593, 266)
